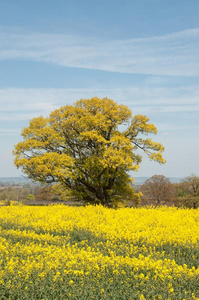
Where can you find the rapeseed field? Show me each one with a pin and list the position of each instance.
(62, 252)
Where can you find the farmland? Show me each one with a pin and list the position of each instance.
(92, 252)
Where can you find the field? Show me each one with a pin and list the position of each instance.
(61, 252)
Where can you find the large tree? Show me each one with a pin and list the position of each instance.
(89, 148)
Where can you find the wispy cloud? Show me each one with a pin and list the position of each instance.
(173, 54)
(45, 100)
(165, 107)
(9, 131)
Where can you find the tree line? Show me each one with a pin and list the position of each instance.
(157, 190)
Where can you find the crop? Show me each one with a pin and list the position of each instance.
(92, 252)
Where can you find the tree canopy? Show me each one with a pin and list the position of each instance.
(188, 191)
(158, 189)
(89, 148)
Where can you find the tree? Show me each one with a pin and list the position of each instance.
(8, 193)
(188, 191)
(45, 193)
(158, 189)
(89, 148)
(30, 197)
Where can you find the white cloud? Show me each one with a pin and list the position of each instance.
(173, 54)
(167, 108)
(10, 131)
(45, 100)
(15, 101)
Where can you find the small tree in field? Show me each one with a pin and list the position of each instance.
(158, 189)
(30, 197)
(83, 147)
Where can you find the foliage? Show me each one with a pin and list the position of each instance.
(8, 193)
(187, 191)
(18, 193)
(89, 148)
(30, 197)
(45, 193)
(158, 189)
(62, 252)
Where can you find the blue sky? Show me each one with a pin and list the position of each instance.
(141, 53)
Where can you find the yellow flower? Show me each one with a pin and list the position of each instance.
(71, 282)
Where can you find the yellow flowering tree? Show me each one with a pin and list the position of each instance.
(89, 148)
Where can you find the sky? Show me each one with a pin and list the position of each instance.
(140, 53)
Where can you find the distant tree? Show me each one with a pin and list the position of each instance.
(158, 189)
(8, 193)
(85, 148)
(3, 195)
(30, 197)
(187, 191)
(45, 193)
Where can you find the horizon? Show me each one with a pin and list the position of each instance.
(143, 54)
(137, 179)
